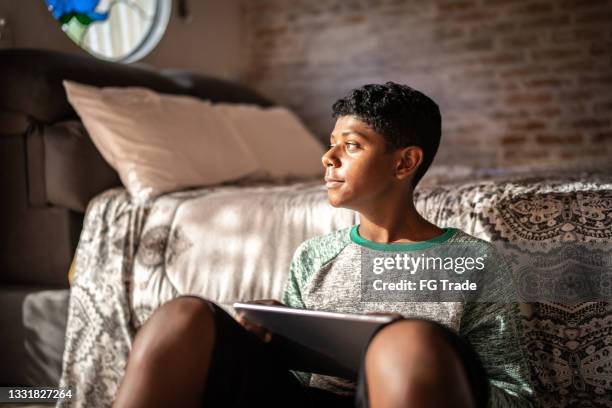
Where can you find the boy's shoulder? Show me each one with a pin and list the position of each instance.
(320, 249)
(325, 243)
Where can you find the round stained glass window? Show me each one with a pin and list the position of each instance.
(115, 30)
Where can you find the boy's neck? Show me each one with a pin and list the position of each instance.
(396, 221)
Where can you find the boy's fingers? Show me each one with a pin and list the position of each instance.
(257, 330)
(263, 334)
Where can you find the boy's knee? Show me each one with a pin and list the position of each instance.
(182, 322)
(411, 358)
(187, 312)
(407, 345)
(406, 335)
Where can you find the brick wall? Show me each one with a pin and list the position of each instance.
(518, 82)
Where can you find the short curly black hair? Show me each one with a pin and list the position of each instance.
(402, 115)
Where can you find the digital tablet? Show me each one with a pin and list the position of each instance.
(314, 341)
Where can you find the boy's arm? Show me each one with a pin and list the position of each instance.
(491, 326)
(491, 330)
(292, 295)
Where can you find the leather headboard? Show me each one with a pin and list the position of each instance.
(31, 82)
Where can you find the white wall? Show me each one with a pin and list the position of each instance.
(211, 42)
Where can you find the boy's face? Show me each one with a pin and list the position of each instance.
(359, 170)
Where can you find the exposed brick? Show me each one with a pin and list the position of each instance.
(573, 154)
(358, 19)
(527, 125)
(479, 44)
(271, 31)
(546, 82)
(508, 114)
(600, 48)
(574, 109)
(525, 155)
(595, 17)
(557, 53)
(501, 2)
(454, 6)
(467, 128)
(589, 33)
(492, 28)
(590, 123)
(575, 95)
(473, 74)
(573, 34)
(602, 137)
(518, 81)
(533, 8)
(547, 22)
(603, 107)
(550, 112)
(513, 139)
(476, 16)
(526, 98)
(503, 58)
(444, 32)
(582, 4)
(519, 40)
(575, 66)
(548, 139)
(522, 71)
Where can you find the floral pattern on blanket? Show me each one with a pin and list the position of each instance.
(99, 332)
(569, 346)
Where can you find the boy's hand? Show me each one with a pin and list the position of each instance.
(263, 334)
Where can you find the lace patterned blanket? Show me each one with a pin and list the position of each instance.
(234, 243)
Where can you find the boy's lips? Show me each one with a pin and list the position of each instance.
(333, 182)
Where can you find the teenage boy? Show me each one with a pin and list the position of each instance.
(441, 354)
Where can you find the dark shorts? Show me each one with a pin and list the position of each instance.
(245, 372)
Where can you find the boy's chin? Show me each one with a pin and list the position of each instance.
(337, 202)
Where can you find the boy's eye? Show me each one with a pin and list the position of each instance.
(350, 146)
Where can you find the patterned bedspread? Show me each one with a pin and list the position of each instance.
(235, 243)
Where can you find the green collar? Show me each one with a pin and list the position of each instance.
(401, 246)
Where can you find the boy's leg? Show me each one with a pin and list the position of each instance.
(191, 353)
(415, 362)
(169, 361)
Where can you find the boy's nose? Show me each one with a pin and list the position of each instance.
(329, 159)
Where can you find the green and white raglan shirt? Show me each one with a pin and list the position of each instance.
(325, 274)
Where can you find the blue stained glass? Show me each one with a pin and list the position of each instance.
(84, 8)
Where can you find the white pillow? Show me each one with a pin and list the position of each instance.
(160, 143)
(281, 144)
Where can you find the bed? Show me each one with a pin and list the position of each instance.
(234, 243)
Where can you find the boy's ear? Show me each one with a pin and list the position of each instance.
(408, 160)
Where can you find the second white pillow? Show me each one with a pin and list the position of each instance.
(282, 145)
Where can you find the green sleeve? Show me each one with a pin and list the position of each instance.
(492, 328)
(308, 259)
(292, 296)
